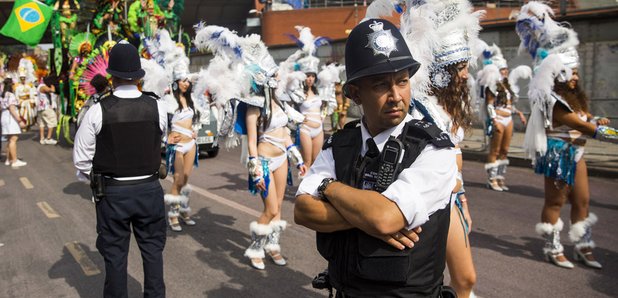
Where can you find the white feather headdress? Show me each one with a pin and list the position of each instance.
(540, 35)
(26, 69)
(439, 34)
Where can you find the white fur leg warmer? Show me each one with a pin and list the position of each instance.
(580, 232)
(272, 242)
(259, 233)
(544, 228)
(173, 213)
(551, 233)
(171, 199)
(186, 190)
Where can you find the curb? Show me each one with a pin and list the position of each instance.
(481, 156)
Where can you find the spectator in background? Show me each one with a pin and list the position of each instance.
(46, 111)
(101, 85)
(12, 123)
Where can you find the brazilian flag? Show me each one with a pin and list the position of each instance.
(28, 21)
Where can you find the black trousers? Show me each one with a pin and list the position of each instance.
(139, 206)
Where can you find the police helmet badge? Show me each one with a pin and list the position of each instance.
(381, 41)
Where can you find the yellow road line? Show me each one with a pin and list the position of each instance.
(1, 182)
(26, 183)
(48, 210)
(80, 256)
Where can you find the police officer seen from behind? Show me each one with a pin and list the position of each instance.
(118, 145)
(381, 213)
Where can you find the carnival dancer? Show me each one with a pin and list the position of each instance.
(67, 12)
(311, 130)
(441, 95)
(182, 152)
(556, 133)
(497, 89)
(327, 80)
(26, 92)
(264, 119)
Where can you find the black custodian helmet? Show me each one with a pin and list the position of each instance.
(124, 62)
(375, 47)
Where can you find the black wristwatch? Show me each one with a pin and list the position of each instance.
(322, 188)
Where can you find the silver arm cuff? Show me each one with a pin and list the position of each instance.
(491, 111)
(606, 134)
(294, 156)
(255, 169)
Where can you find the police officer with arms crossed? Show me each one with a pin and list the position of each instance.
(382, 218)
(118, 146)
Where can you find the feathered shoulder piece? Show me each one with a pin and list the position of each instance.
(488, 77)
(519, 73)
(542, 84)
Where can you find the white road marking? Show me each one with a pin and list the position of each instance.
(26, 183)
(48, 210)
(80, 256)
(221, 200)
(242, 208)
(1, 182)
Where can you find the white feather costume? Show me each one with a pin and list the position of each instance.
(327, 78)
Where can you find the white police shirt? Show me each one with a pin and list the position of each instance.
(86, 137)
(419, 191)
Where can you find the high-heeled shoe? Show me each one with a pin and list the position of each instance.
(277, 258)
(174, 224)
(186, 219)
(493, 185)
(580, 256)
(258, 264)
(503, 185)
(553, 258)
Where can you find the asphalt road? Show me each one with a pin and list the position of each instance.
(47, 228)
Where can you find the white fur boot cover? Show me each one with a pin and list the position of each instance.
(551, 233)
(171, 199)
(492, 169)
(272, 242)
(186, 190)
(502, 164)
(259, 233)
(580, 232)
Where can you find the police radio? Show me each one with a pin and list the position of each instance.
(389, 163)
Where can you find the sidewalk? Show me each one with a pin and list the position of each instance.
(601, 157)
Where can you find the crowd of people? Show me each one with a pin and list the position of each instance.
(385, 193)
(26, 102)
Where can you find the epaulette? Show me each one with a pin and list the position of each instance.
(342, 134)
(151, 94)
(427, 131)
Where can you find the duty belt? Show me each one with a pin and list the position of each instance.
(109, 181)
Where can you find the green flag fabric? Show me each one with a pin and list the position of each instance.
(27, 22)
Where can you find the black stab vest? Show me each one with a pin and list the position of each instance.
(129, 143)
(363, 266)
